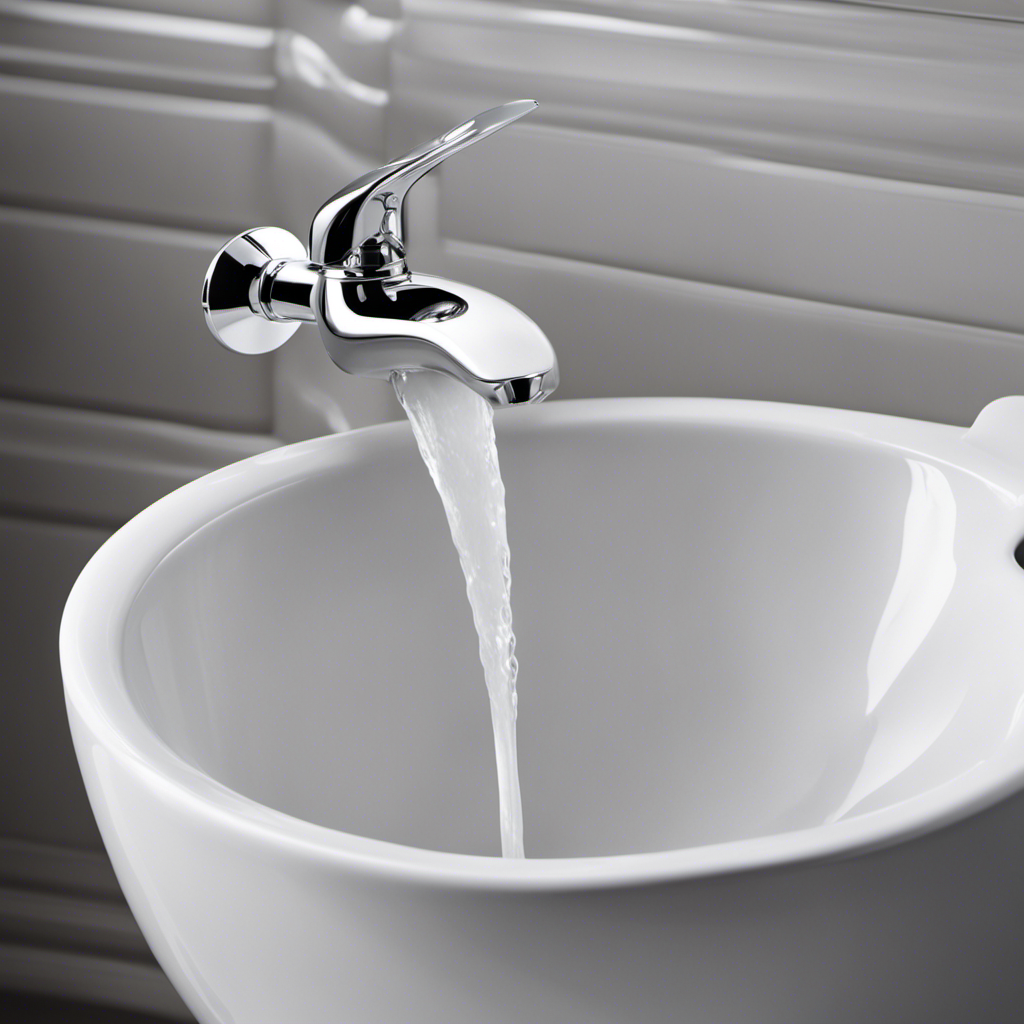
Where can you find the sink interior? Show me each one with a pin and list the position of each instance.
(722, 634)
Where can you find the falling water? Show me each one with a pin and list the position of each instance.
(454, 429)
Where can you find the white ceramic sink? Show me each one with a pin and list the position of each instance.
(771, 735)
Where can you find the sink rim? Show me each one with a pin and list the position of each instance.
(101, 599)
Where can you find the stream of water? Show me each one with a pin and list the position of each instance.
(454, 429)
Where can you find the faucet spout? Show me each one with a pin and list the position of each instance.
(422, 322)
(375, 316)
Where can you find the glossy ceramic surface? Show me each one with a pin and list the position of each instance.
(771, 708)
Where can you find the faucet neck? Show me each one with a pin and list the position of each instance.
(283, 291)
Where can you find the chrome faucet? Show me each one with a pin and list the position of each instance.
(376, 317)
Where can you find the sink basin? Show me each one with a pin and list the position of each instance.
(771, 725)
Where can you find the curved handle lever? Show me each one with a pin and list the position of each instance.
(360, 228)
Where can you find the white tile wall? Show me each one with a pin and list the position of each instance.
(249, 12)
(700, 215)
(42, 797)
(105, 314)
(138, 156)
(625, 332)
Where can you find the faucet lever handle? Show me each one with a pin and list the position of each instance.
(360, 228)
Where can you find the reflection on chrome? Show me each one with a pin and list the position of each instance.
(923, 583)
